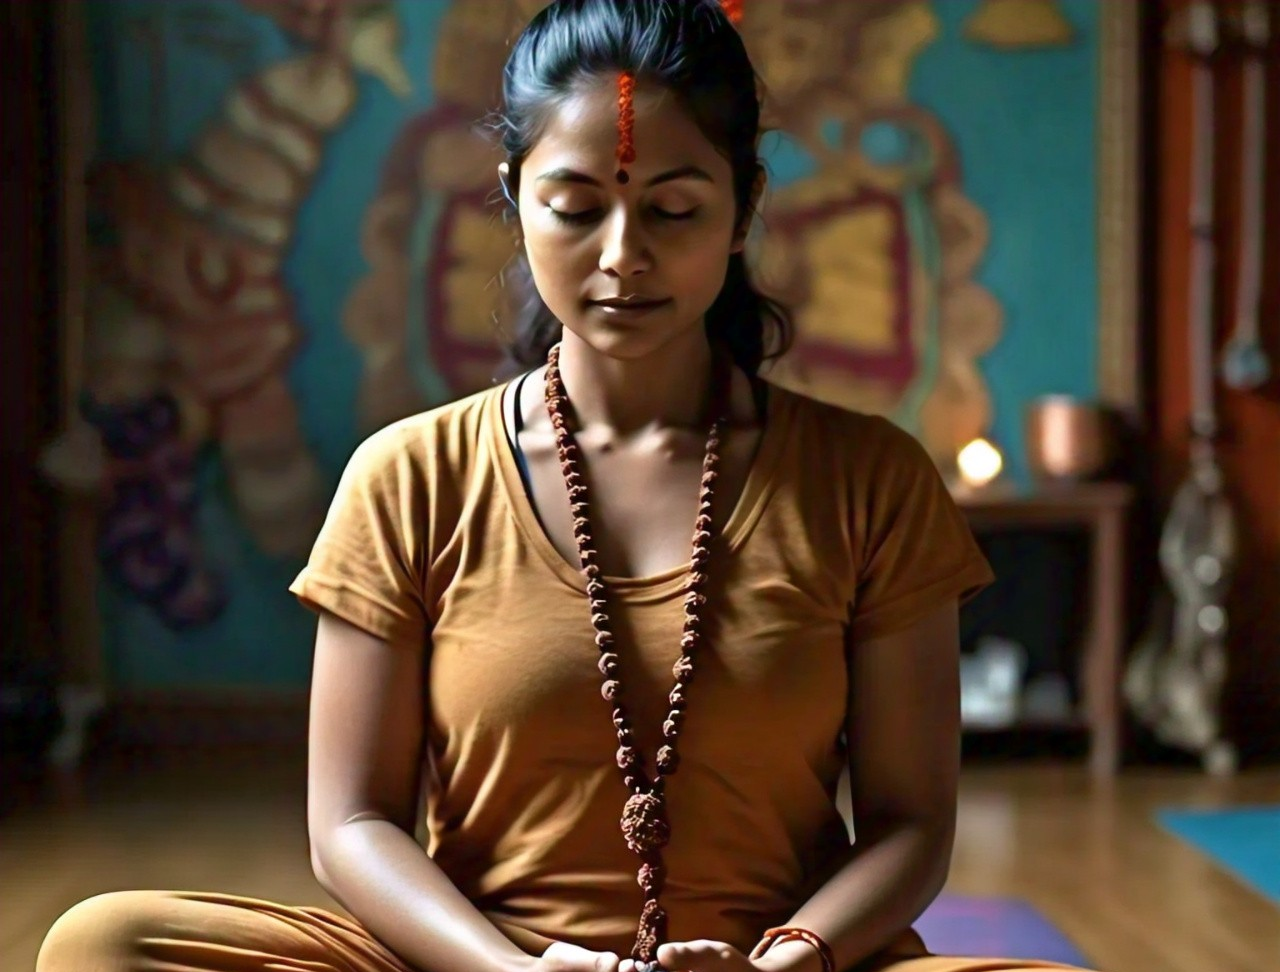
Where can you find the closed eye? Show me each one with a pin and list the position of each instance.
(580, 218)
(587, 216)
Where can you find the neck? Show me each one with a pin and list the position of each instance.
(666, 389)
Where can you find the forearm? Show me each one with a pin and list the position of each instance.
(382, 876)
(892, 875)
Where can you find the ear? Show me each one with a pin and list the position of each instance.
(744, 228)
(508, 190)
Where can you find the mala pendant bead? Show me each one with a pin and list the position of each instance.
(644, 823)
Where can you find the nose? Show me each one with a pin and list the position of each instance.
(624, 252)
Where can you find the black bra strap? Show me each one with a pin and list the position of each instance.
(518, 425)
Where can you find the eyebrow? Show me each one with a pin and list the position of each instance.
(683, 172)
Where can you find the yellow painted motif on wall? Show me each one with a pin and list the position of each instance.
(1013, 24)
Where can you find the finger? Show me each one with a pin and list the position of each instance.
(695, 956)
(627, 965)
(563, 957)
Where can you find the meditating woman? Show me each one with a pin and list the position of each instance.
(621, 747)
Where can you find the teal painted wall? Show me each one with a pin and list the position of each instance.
(1023, 123)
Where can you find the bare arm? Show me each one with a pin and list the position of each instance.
(903, 724)
(363, 778)
(363, 775)
(904, 760)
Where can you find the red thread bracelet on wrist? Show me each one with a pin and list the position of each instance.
(775, 935)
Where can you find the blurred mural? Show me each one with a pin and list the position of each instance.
(876, 247)
(295, 242)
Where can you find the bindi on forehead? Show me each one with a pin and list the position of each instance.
(582, 135)
(626, 151)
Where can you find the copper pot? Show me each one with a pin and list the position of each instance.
(1067, 439)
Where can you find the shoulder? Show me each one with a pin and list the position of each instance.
(864, 444)
(447, 436)
(424, 461)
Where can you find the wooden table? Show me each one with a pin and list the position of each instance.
(1101, 508)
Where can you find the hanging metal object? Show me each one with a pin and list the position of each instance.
(1244, 362)
(1175, 677)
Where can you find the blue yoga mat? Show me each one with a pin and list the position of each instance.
(993, 928)
(1244, 841)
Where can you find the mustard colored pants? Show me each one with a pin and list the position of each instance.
(180, 931)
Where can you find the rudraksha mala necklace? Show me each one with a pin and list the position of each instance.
(644, 817)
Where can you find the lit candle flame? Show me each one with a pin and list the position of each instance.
(979, 462)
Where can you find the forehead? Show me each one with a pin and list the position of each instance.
(581, 132)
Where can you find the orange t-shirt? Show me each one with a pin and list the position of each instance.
(844, 531)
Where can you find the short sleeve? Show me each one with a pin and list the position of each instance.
(916, 549)
(367, 564)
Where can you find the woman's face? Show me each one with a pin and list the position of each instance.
(629, 267)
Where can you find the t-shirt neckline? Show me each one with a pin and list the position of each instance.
(751, 501)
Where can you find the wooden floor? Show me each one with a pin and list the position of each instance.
(1132, 898)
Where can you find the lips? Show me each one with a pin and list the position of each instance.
(631, 302)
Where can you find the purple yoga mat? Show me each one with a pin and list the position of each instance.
(994, 928)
